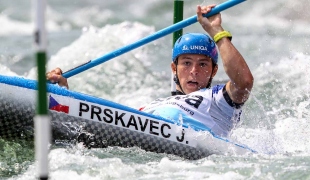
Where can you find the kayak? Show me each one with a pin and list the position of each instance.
(98, 123)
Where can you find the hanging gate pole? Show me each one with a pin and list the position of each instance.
(177, 17)
(42, 120)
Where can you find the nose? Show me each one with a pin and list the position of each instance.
(194, 69)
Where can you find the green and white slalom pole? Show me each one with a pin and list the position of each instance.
(42, 119)
(177, 17)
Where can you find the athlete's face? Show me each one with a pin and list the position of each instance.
(194, 72)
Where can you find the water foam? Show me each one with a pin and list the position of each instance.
(277, 116)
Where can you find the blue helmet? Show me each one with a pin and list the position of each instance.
(195, 43)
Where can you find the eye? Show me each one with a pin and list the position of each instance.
(186, 63)
(203, 64)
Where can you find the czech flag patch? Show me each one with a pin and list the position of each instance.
(54, 105)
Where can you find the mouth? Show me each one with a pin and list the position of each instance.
(192, 83)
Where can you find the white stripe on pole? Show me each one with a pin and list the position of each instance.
(40, 32)
(42, 139)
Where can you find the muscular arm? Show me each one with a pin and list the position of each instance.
(241, 79)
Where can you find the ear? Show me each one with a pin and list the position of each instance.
(173, 68)
(214, 70)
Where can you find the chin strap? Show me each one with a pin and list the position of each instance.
(177, 82)
(177, 92)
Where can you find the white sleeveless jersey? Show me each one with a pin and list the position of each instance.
(206, 105)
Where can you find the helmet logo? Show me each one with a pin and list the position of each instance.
(192, 47)
(202, 48)
(185, 48)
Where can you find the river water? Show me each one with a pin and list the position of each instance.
(273, 36)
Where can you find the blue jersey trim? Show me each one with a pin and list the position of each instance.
(217, 88)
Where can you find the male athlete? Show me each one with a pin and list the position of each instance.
(195, 63)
